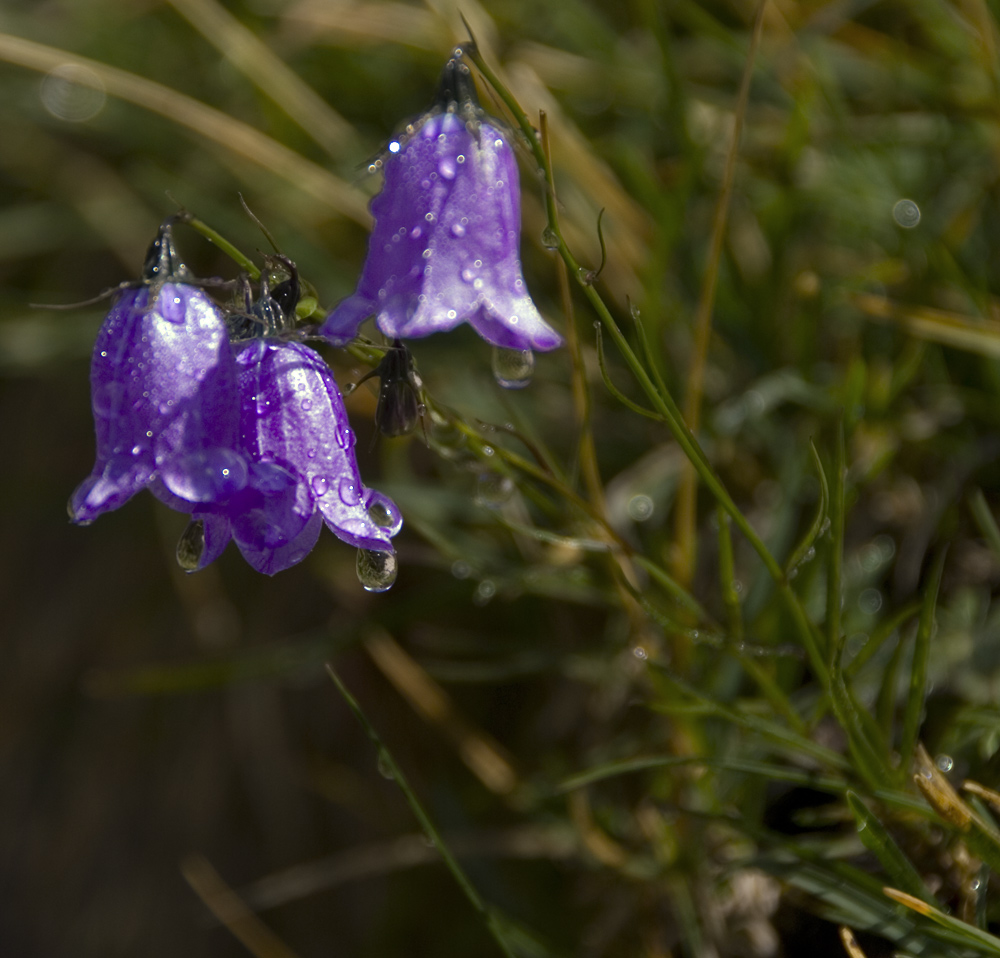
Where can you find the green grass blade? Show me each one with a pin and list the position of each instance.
(918, 671)
(876, 838)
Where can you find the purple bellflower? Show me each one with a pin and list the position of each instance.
(445, 246)
(163, 386)
(295, 434)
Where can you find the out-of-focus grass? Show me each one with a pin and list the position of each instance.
(676, 777)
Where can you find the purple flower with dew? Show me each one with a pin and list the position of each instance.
(445, 246)
(163, 385)
(295, 433)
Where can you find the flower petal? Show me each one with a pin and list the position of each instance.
(293, 415)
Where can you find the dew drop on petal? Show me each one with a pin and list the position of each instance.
(319, 485)
(307, 404)
(467, 274)
(350, 495)
(460, 158)
(457, 229)
(447, 168)
(416, 232)
(513, 368)
(377, 570)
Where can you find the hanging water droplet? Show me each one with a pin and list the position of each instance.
(513, 368)
(945, 763)
(493, 489)
(377, 570)
(191, 546)
(319, 484)
(550, 238)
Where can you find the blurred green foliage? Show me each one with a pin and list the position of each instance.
(628, 753)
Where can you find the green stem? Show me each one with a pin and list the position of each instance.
(389, 763)
(662, 402)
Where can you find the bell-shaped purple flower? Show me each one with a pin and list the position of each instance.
(163, 386)
(445, 246)
(295, 433)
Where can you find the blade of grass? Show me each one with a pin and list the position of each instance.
(214, 125)
(876, 838)
(918, 670)
(270, 74)
(430, 830)
(686, 507)
(983, 515)
(819, 523)
(963, 933)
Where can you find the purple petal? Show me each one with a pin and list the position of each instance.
(293, 415)
(162, 385)
(113, 486)
(341, 326)
(271, 559)
(445, 247)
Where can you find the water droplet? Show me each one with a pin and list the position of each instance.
(870, 601)
(349, 493)
(429, 217)
(477, 284)
(319, 484)
(945, 763)
(478, 264)
(344, 436)
(416, 232)
(376, 569)
(447, 168)
(311, 453)
(640, 653)
(460, 158)
(307, 404)
(191, 546)
(384, 766)
(513, 368)
(457, 229)
(394, 146)
(493, 489)
(107, 399)
(468, 275)
(452, 314)
(460, 569)
(640, 508)
(906, 213)
(382, 513)
(550, 239)
(498, 143)
(484, 592)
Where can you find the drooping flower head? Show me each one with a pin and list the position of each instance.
(295, 434)
(445, 246)
(163, 391)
